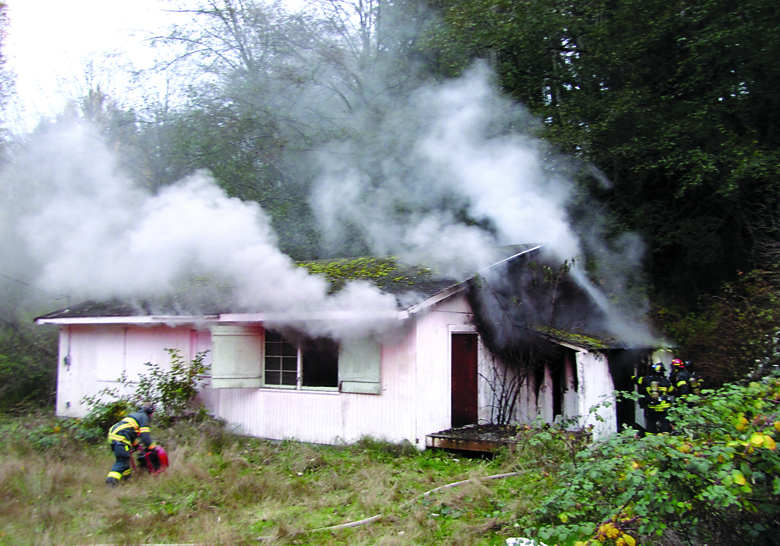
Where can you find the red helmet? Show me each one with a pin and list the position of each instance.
(677, 364)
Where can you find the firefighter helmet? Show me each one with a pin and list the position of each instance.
(677, 364)
(148, 409)
(658, 368)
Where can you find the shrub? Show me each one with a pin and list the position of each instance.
(25, 382)
(102, 415)
(716, 480)
(171, 391)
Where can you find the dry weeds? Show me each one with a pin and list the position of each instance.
(224, 489)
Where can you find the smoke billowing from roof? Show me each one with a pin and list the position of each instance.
(455, 172)
(84, 229)
(444, 178)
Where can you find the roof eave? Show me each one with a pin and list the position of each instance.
(227, 318)
(438, 297)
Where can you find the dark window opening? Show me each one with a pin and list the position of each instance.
(320, 363)
(302, 363)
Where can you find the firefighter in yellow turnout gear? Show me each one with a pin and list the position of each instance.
(657, 397)
(684, 379)
(125, 435)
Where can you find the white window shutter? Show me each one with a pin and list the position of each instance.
(237, 357)
(360, 366)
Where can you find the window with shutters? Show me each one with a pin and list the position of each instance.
(250, 356)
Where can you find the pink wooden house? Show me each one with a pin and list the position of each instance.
(436, 372)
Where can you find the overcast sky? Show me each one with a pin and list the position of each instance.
(49, 42)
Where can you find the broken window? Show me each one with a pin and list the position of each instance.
(249, 357)
(310, 363)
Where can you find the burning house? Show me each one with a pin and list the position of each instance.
(491, 348)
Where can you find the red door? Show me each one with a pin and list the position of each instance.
(464, 379)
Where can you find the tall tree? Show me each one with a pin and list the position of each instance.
(674, 102)
(269, 87)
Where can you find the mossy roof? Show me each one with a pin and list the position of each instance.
(586, 341)
(388, 274)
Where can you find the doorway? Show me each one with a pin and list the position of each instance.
(463, 395)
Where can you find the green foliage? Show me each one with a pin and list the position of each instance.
(172, 391)
(28, 369)
(387, 273)
(103, 415)
(23, 383)
(715, 481)
(733, 334)
(39, 432)
(674, 105)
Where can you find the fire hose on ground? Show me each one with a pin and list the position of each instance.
(372, 519)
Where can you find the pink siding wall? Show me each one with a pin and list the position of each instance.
(416, 382)
(100, 354)
(325, 416)
(433, 372)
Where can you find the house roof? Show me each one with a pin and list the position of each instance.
(580, 340)
(387, 273)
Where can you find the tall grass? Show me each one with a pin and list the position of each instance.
(226, 489)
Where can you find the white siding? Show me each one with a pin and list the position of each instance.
(415, 398)
(571, 406)
(415, 382)
(143, 345)
(596, 387)
(100, 354)
(433, 364)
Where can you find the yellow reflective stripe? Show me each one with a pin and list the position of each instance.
(131, 422)
(123, 426)
(115, 475)
(144, 429)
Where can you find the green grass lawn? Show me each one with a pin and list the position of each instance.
(227, 489)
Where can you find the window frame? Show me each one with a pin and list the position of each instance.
(299, 379)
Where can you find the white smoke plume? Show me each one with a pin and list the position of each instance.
(84, 229)
(445, 178)
(461, 148)
(454, 153)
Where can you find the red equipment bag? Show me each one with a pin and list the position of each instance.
(154, 460)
